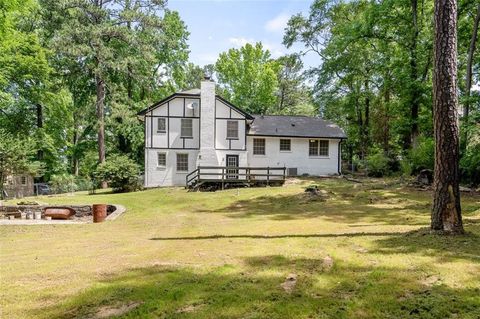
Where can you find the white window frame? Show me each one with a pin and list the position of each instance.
(183, 127)
(164, 125)
(158, 160)
(177, 162)
(289, 144)
(319, 147)
(230, 130)
(264, 147)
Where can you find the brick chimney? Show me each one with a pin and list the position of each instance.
(207, 155)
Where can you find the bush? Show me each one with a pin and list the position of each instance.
(377, 164)
(470, 165)
(423, 156)
(63, 183)
(121, 173)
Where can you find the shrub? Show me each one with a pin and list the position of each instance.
(377, 164)
(121, 173)
(423, 156)
(63, 183)
(470, 165)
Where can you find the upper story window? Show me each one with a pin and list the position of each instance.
(187, 128)
(285, 145)
(182, 162)
(24, 180)
(161, 125)
(161, 159)
(318, 148)
(258, 146)
(232, 129)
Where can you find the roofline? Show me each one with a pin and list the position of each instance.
(174, 95)
(168, 98)
(236, 108)
(299, 136)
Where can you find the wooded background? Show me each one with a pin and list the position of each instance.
(74, 73)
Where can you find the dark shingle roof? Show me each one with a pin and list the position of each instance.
(294, 126)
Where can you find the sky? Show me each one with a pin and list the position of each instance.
(218, 25)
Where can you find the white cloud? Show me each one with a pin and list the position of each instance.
(240, 41)
(277, 24)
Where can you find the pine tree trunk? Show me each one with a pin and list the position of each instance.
(100, 105)
(446, 211)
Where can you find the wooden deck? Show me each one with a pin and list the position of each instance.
(221, 177)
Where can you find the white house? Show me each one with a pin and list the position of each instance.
(199, 128)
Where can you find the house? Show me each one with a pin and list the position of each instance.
(199, 128)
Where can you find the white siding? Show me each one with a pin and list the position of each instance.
(221, 141)
(297, 158)
(167, 176)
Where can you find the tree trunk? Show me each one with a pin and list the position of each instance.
(100, 105)
(446, 211)
(468, 79)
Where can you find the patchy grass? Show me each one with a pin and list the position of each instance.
(359, 252)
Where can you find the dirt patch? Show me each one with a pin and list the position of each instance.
(289, 284)
(327, 263)
(190, 308)
(431, 281)
(110, 311)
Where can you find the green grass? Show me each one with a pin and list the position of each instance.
(175, 254)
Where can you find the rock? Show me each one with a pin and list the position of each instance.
(327, 263)
(465, 189)
(289, 284)
(425, 177)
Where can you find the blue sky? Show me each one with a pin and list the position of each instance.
(217, 25)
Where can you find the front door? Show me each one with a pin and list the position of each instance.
(232, 161)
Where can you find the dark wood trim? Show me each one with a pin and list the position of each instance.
(168, 99)
(229, 104)
(174, 116)
(151, 129)
(174, 148)
(183, 107)
(215, 124)
(168, 124)
(228, 119)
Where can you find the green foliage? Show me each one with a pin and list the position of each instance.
(470, 162)
(423, 156)
(248, 77)
(64, 183)
(121, 173)
(377, 164)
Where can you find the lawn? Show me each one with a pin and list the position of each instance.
(362, 252)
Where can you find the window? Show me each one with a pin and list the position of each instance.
(24, 180)
(318, 148)
(232, 129)
(161, 125)
(182, 162)
(285, 145)
(258, 146)
(187, 128)
(161, 159)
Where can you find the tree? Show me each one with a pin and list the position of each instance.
(248, 77)
(446, 212)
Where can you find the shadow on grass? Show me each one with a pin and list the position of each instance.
(445, 248)
(361, 234)
(337, 209)
(254, 291)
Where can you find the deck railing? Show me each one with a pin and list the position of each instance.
(229, 174)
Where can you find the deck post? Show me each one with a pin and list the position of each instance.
(268, 176)
(284, 177)
(223, 178)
